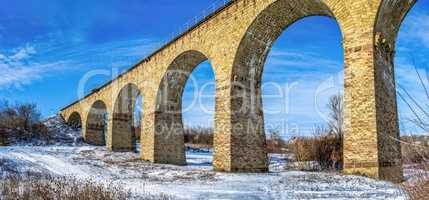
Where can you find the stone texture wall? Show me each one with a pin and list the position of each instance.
(236, 41)
(122, 137)
(95, 127)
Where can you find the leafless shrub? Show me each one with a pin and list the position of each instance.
(275, 143)
(419, 109)
(49, 187)
(325, 146)
(336, 116)
(199, 136)
(20, 122)
(415, 149)
(45, 187)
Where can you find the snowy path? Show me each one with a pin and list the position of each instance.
(195, 181)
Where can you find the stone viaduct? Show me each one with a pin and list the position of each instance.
(236, 40)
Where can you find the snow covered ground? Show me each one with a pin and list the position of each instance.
(195, 181)
(70, 157)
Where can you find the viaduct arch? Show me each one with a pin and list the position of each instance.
(236, 39)
(75, 120)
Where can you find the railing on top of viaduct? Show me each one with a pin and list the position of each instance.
(216, 8)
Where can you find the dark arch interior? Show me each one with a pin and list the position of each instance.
(75, 120)
(123, 130)
(96, 125)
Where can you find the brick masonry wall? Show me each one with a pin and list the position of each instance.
(236, 41)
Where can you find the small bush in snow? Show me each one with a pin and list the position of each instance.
(199, 136)
(275, 143)
(324, 148)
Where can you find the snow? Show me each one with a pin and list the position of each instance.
(197, 180)
(60, 134)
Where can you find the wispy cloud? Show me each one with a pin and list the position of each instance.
(19, 68)
(25, 65)
(301, 59)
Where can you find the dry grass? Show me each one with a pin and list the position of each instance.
(417, 187)
(415, 149)
(326, 149)
(203, 138)
(276, 144)
(45, 187)
(200, 136)
(325, 146)
(415, 154)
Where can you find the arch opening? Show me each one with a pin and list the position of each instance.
(198, 101)
(123, 136)
(137, 121)
(97, 124)
(75, 121)
(302, 89)
(248, 138)
(168, 114)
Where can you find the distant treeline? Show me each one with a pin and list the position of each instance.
(20, 121)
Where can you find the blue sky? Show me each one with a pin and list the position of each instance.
(47, 48)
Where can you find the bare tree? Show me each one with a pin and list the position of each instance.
(336, 116)
(414, 148)
(419, 109)
(28, 114)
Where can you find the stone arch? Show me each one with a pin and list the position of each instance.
(75, 120)
(96, 124)
(248, 144)
(168, 114)
(386, 28)
(122, 136)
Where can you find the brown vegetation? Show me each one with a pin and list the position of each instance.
(45, 187)
(49, 187)
(203, 138)
(325, 146)
(20, 122)
(199, 136)
(276, 144)
(415, 154)
(415, 149)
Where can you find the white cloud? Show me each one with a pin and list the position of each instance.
(300, 59)
(19, 69)
(23, 53)
(24, 65)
